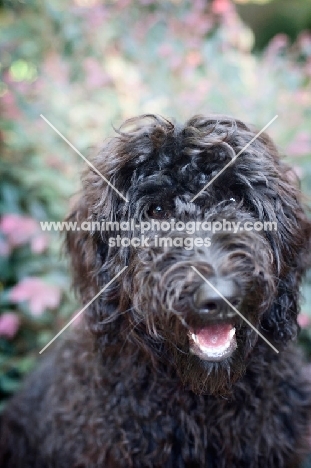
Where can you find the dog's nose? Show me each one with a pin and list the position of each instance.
(209, 300)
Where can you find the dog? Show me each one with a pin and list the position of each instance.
(185, 357)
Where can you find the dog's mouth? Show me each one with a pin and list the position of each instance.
(214, 342)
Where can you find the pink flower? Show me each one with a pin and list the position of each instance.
(165, 50)
(96, 77)
(97, 16)
(221, 7)
(18, 229)
(278, 43)
(194, 58)
(10, 107)
(304, 42)
(22, 229)
(9, 324)
(304, 320)
(38, 293)
(55, 68)
(39, 243)
(301, 144)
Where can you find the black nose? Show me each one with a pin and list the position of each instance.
(208, 300)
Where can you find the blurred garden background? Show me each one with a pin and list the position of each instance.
(87, 65)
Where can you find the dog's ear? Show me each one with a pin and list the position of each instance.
(291, 244)
(80, 247)
(281, 320)
(88, 255)
(93, 262)
(87, 244)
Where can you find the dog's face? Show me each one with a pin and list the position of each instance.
(205, 276)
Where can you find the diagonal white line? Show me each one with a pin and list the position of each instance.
(235, 157)
(83, 157)
(82, 310)
(235, 310)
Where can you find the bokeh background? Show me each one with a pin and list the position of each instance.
(86, 65)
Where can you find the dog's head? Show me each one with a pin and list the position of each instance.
(213, 265)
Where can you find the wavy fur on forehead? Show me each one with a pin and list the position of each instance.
(153, 157)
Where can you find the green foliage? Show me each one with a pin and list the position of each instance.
(90, 65)
(268, 18)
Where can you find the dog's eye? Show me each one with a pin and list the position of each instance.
(159, 212)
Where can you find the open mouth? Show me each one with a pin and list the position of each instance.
(214, 342)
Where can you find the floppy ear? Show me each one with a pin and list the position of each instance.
(283, 315)
(80, 247)
(89, 258)
(93, 262)
(291, 245)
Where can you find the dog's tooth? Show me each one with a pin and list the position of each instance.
(232, 333)
(194, 337)
(215, 352)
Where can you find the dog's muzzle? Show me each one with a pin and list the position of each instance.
(213, 301)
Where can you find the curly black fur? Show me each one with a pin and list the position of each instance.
(128, 391)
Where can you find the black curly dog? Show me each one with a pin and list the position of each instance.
(166, 374)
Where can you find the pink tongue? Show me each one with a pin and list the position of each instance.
(214, 335)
